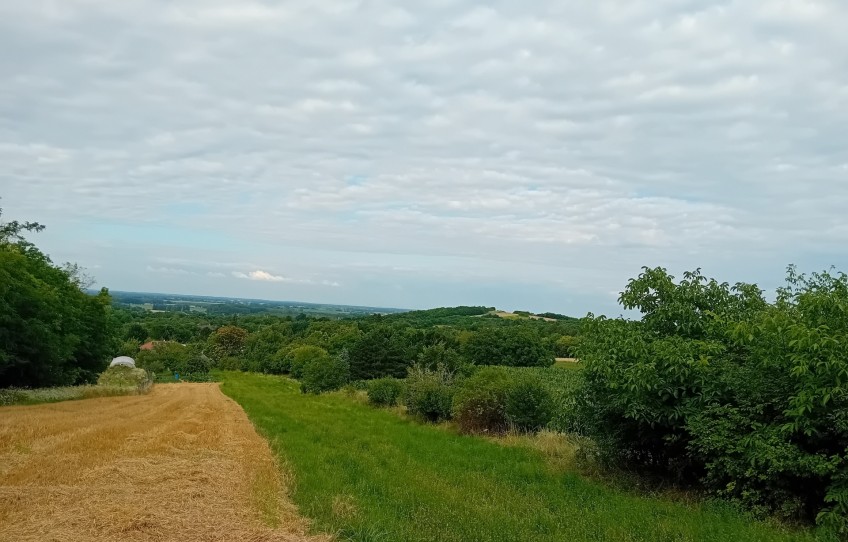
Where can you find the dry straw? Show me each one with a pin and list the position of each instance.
(182, 463)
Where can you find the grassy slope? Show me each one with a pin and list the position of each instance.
(370, 475)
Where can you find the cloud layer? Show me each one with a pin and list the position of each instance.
(515, 154)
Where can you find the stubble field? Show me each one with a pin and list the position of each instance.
(181, 463)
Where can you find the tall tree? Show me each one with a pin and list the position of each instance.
(51, 331)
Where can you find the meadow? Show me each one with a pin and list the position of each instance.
(367, 474)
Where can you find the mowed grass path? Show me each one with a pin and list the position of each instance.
(369, 475)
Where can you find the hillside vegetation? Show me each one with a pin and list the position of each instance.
(52, 333)
(368, 475)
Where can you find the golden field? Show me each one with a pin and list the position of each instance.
(181, 463)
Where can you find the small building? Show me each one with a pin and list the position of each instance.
(123, 361)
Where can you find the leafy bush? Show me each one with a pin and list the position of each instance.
(565, 346)
(429, 392)
(385, 391)
(325, 373)
(564, 385)
(479, 405)
(529, 403)
(302, 356)
(439, 354)
(132, 377)
(277, 364)
(717, 385)
(230, 363)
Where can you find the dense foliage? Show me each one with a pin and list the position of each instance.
(379, 346)
(130, 377)
(479, 405)
(715, 384)
(495, 399)
(52, 332)
(385, 391)
(382, 351)
(168, 357)
(302, 356)
(516, 347)
(429, 392)
(325, 373)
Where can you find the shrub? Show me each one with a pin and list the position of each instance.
(261, 347)
(429, 392)
(431, 357)
(479, 405)
(301, 356)
(166, 356)
(277, 364)
(563, 385)
(529, 403)
(385, 391)
(124, 377)
(325, 373)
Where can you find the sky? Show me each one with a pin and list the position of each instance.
(525, 155)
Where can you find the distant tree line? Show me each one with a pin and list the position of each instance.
(375, 346)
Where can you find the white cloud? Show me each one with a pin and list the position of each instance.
(261, 275)
(569, 142)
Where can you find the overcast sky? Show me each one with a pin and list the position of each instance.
(528, 155)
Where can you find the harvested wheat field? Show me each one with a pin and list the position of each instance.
(181, 463)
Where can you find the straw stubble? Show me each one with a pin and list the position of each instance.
(181, 463)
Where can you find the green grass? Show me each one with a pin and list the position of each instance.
(370, 475)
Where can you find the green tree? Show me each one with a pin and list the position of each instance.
(227, 341)
(714, 384)
(515, 346)
(432, 357)
(51, 331)
(302, 356)
(384, 350)
(136, 332)
(261, 347)
(325, 373)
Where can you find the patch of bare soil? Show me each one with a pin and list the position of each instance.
(182, 463)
